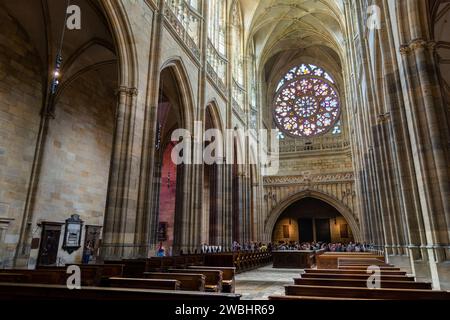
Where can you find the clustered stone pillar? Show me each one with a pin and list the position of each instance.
(118, 237)
(401, 159)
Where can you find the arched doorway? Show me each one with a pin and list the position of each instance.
(325, 198)
(169, 177)
(311, 220)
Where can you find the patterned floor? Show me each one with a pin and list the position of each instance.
(261, 283)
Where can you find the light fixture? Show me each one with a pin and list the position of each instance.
(59, 59)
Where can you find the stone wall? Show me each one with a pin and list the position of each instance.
(77, 155)
(20, 105)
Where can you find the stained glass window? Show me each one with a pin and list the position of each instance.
(306, 102)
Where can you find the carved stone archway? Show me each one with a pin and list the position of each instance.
(339, 206)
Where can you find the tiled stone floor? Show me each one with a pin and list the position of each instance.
(261, 283)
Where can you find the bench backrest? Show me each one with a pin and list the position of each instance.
(354, 276)
(351, 292)
(228, 273)
(14, 291)
(349, 271)
(188, 281)
(212, 277)
(158, 284)
(362, 283)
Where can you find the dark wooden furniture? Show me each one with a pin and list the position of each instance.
(329, 260)
(158, 284)
(354, 276)
(293, 259)
(213, 278)
(228, 274)
(36, 292)
(340, 271)
(352, 292)
(362, 283)
(188, 281)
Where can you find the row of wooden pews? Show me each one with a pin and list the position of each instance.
(349, 281)
(242, 261)
(122, 281)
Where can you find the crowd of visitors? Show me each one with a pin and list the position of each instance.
(329, 247)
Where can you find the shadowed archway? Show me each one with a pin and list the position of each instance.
(341, 208)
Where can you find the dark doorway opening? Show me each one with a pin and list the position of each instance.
(305, 230)
(48, 250)
(323, 233)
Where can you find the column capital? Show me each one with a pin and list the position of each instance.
(130, 91)
(417, 44)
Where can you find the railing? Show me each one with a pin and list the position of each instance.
(216, 67)
(325, 143)
(185, 22)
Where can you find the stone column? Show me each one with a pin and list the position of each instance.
(120, 208)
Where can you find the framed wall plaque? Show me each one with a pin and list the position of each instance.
(72, 234)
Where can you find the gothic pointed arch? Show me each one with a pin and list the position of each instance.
(339, 206)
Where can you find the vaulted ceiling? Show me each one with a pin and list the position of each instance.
(91, 48)
(286, 32)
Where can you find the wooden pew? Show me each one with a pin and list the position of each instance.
(242, 261)
(347, 271)
(362, 283)
(13, 277)
(329, 260)
(89, 276)
(56, 276)
(213, 278)
(35, 292)
(228, 276)
(188, 281)
(158, 284)
(352, 292)
(354, 276)
(363, 267)
(131, 268)
(306, 298)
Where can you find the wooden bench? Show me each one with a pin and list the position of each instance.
(228, 276)
(350, 271)
(91, 274)
(14, 291)
(329, 260)
(242, 261)
(306, 298)
(158, 284)
(52, 276)
(354, 276)
(188, 281)
(213, 278)
(363, 267)
(13, 277)
(362, 283)
(352, 292)
(131, 268)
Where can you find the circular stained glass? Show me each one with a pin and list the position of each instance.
(307, 103)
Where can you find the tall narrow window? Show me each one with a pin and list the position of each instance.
(237, 55)
(237, 43)
(216, 50)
